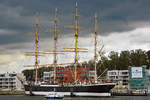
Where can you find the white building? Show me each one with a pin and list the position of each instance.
(120, 77)
(48, 76)
(9, 81)
(91, 75)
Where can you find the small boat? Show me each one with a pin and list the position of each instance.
(72, 94)
(54, 96)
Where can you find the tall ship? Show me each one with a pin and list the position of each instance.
(75, 87)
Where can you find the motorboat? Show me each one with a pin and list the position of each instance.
(54, 96)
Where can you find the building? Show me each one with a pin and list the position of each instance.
(48, 76)
(91, 75)
(139, 79)
(120, 77)
(148, 71)
(10, 81)
(66, 75)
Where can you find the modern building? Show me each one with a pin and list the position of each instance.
(148, 71)
(91, 75)
(10, 81)
(48, 76)
(66, 75)
(120, 77)
(139, 79)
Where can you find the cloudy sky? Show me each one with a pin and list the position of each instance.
(122, 25)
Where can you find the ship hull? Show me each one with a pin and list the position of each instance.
(68, 94)
(79, 90)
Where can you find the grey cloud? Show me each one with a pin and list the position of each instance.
(116, 19)
(114, 16)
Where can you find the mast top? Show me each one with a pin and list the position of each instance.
(37, 19)
(55, 18)
(95, 15)
(56, 9)
(76, 4)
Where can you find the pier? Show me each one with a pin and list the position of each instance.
(12, 92)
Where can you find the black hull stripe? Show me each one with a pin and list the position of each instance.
(93, 88)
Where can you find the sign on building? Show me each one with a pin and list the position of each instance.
(136, 72)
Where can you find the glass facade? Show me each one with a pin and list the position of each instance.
(138, 78)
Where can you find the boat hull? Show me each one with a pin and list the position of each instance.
(54, 97)
(80, 90)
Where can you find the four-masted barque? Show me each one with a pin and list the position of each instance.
(75, 89)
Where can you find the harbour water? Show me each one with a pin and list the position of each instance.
(21, 97)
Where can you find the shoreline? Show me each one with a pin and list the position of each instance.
(12, 92)
(19, 92)
(130, 94)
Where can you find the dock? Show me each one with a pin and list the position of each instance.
(12, 92)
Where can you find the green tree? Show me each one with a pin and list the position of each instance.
(29, 74)
(124, 60)
(148, 58)
(138, 57)
(91, 64)
(114, 60)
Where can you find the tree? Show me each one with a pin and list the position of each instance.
(102, 65)
(90, 65)
(29, 74)
(114, 60)
(124, 60)
(148, 59)
(138, 57)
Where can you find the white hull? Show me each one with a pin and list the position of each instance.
(86, 94)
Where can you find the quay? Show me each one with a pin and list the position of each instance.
(125, 92)
(130, 94)
(12, 92)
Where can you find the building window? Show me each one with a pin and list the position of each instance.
(112, 73)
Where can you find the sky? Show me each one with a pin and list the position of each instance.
(122, 25)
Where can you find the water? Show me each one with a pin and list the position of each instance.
(19, 97)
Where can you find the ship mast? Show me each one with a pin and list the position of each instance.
(75, 50)
(36, 52)
(76, 41)
(55, 52)
(95, 49)
(76, 28)
(55, 41)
